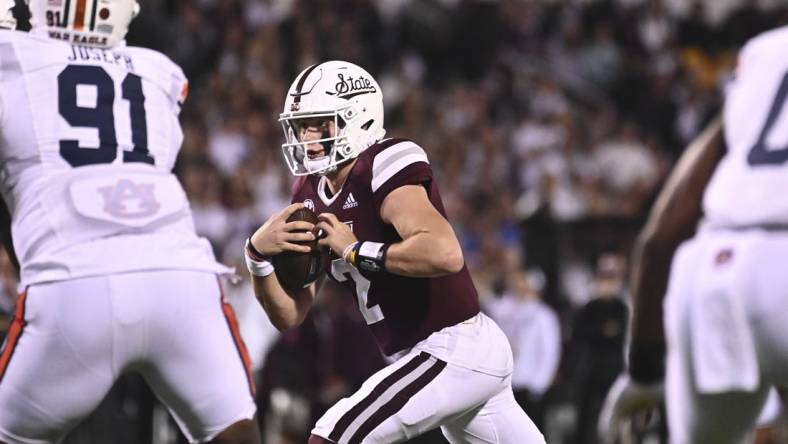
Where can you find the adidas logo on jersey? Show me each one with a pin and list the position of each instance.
(350, 202)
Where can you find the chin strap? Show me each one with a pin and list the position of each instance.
(321, 165)
(324, 165)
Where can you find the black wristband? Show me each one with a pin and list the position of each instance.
(252, 251)
(647, 362)
(370, 256)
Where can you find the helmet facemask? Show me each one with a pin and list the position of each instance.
(337, 149)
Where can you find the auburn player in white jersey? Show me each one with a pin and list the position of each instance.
(114, 277)
(726, 299)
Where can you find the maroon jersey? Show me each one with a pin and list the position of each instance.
(400, 310)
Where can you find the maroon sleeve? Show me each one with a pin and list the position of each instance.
(411, 170)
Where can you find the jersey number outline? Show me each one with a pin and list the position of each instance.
(342, 271)
(759, 154)
(102, 116)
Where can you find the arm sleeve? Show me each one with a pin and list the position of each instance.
(179, 89)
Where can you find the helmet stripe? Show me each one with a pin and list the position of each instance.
(301, 81)
(93, 16)
(66, 10)
(79, 15)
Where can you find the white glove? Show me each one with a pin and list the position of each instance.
(625, 398)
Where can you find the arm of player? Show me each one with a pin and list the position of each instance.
(429, 246)
(672, 220)
(5, 235)
(285, 309)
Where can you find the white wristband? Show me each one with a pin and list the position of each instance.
(258, 268)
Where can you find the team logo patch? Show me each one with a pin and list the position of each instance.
(350, 202)
(723, 257)
(128, 199)
(309, 204)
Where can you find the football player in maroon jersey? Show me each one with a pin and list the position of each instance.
(393, 249)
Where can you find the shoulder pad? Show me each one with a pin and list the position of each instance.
(393, 159)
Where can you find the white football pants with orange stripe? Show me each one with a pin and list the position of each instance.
(70, 340)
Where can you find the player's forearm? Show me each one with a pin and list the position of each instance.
(425, 254)
(651, 266)
(5, 235)
(672, 220)
(284, 310)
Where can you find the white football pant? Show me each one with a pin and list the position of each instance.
(70, 340)
(725, 319)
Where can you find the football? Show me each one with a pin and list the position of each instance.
(297, 270)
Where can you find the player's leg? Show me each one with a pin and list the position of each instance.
(57, 364)
(419, 393)
(725, 418)
(768, 308)
(701, 280)
(500, 420)
(242, 432)
(197, 362)
(374, 413)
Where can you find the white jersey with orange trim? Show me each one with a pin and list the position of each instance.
(88, 139)
(746, 188)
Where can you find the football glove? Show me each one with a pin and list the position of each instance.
(626, 398)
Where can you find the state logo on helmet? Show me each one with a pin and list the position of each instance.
(100, 23)
(334, 90)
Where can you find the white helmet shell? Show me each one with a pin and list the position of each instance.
(333, 90)
(100, 23)
(7, 20)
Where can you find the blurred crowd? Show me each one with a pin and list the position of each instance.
(550, 126)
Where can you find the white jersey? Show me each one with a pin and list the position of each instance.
(88, 139)
(748, 186)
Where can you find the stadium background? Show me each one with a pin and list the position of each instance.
(550, 124)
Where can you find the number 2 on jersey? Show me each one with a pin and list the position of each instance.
(759, 154)
(101, 117)
(343, 271)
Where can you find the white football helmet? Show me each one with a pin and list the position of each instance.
(333, 90)
(101, 23)
(7, 20)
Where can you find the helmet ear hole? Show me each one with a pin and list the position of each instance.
(366, 125)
